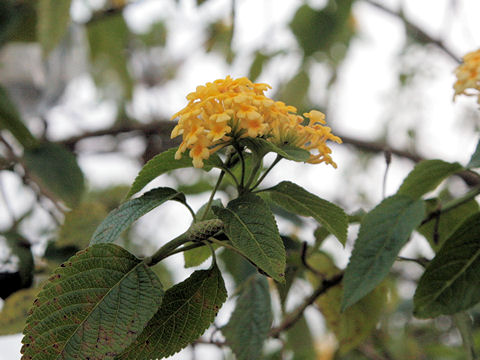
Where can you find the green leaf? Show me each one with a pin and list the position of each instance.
(187, 311)
(257, 65)
(426, 176)
(80, 223)
(299, 201)
(251, 227)
(447, 222)
(355, 324)
(165, 162)
(53, 20)
(126, 214)
(475, 159)
(295, 91)
(300, 341)
(94, 306)
(250, 322)
(11, 120)
(237, 266)
(15, 311)
(18, 21)
(450, 282)
(261, 147)
(382, 234)
(54, 167)
(108, 40)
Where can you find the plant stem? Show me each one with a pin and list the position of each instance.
(207, 208)
(464, 324)
(242, 159)
(167, 249)
(191, 211)
(275, 162)
(256, 167)
(453, 204)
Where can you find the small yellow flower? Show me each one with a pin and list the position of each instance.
(228, 109)
(468, 75)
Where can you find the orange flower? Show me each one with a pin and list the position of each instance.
(229, 109)
(468, 75)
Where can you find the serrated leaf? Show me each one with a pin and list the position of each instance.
(447, 222)
(250, 322)
(11, 120)
(165, 162)
(94, 306)
(296, 199)
(383, 232)
(426, 176)
(80, 223)
(355, 324)
(53, 19)
(122, 217)
(261, 147)
(56, 168)
(475, 159)
(251, 227)
(450, 282)
(108, 42)
(187, 310)
(15, 311)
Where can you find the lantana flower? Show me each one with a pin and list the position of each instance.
(468, 75)
(226, 110)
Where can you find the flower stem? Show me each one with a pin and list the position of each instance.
(275, 162)
(207, 208)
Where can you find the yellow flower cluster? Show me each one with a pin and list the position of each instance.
(229, 109)
(468, 75)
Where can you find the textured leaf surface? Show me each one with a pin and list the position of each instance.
(296, 199)
(93, 306)
(261, 147)
(475, 159)
(15, 311)
(52, 23)
(383, 233)
(187, 311)
(251, 227)
(426, 176)
(450, 282)
(11, 120)
(57, 170)
(356, 323)
(250, 322)
(122, 217)
(163, 163)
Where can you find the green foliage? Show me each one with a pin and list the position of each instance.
(257, 65)
(300, 341)
(55, 168)
(261, 147)
(426, 176)
(257, 239)
(299, 201)
(80, 223)
(108, 40)
(475, 159)
(295, 91)
(250, 322)
(450, 282)
(93, 306)
(163, 163)
(187, 310)
(11, 120)
(383, 232)
(17, 21)
(52, 24)
(440, 228)
(15, 311)
(352, 326)
(126, 214)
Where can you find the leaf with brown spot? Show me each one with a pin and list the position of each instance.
(187, 310)
(93, 307)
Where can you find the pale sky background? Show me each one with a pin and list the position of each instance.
(363, 98)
